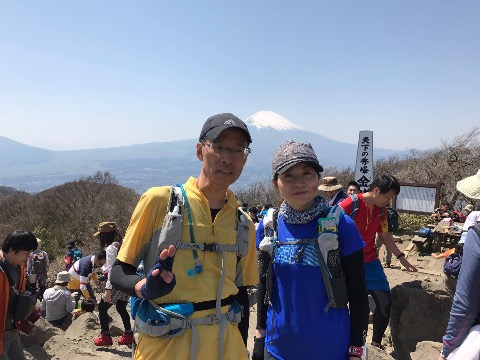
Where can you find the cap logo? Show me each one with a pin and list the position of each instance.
(229, 122)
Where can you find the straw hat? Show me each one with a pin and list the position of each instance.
(470, 186)
(62, 277)
(106, 226)
(330, 183)
(468, 208)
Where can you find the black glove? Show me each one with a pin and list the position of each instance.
(155, 286)
(258, 348)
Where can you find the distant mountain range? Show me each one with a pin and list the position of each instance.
(142, 166)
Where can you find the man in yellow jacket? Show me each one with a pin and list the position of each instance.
(203, 268)
(16, 250)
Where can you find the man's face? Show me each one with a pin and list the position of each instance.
(383, 199)
(19, 258)
(444, 207)
(352, 189)
(223, 159)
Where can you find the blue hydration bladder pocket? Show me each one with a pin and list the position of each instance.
(167, 320)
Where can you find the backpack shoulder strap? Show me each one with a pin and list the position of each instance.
(355, 206)
(171, 231)
(242, 228)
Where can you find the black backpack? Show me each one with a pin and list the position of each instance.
(393, 224)
(453, 262)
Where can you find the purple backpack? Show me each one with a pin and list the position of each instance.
(452, 265)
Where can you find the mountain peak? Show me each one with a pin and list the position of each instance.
(269, 119)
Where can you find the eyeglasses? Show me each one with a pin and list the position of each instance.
(237, 151)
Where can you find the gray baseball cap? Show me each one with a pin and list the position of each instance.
(291, 153)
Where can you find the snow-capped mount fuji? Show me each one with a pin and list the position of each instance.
(266, 119)
(165, 163)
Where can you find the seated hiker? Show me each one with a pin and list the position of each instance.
(442, 212)
(81, 272)
(57, 303)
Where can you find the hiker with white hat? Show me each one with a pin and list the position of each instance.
(333, 190)
(58, 304)
(462, 338)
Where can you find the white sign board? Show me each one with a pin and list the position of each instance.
(417, 198)
(364, 163)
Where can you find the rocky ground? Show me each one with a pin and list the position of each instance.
(45, 342)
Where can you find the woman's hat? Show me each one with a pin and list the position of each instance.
(62, 277)
(470, 186)
(105, 227)
(291, 153)
(330, 183)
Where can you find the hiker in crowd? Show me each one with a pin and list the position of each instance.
(203, 273)
(472, 219)
(353, 187)
(441, 213)
(253, 211)
(462, 338)
(16, 249)
(468, 209)
(265, 225)
(332, 189)
(37, 265)
(81, 272)
(58, 303)
(296, 317)
(265, 209)
(73, 254)
(371, 217)
(111, 240)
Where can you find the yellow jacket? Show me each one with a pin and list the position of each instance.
(147, 220)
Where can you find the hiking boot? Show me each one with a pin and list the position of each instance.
(103, 340)
(125, 339)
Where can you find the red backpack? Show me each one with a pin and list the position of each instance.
(458, 216)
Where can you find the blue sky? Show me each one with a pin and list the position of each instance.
(89, 74)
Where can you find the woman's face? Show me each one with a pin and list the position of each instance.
(298, 186)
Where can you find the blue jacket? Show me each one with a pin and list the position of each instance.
(466, 303)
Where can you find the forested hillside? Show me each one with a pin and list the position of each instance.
(69, 211)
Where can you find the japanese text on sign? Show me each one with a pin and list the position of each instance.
(364, 163)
